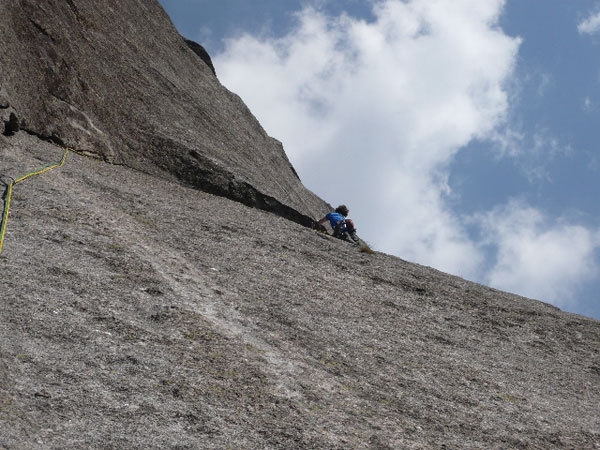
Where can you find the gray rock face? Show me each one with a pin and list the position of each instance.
(116, 80)
(142, 314)
(139, 313)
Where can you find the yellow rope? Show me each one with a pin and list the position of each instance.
(9, 190)
(5, 213)
(45, 168)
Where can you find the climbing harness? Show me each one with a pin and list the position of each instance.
(9, 188)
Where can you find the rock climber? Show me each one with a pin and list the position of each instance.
(343, 228)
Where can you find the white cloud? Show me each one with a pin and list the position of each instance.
(371, 113)
(590, 25)
(532, 151)
(538, 257)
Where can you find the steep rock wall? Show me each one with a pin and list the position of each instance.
(116, 80)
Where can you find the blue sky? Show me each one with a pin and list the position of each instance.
(462, 134)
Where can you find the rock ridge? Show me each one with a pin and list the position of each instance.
(118, 81)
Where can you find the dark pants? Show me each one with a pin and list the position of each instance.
(346, 232)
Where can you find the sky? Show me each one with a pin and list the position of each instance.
(462, 134)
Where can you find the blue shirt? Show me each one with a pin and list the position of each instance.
(335, 218)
